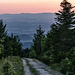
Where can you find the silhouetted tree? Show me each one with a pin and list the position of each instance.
(60, 35)
(12, 46)
(61, 39)
(37, 41)
(3, 34)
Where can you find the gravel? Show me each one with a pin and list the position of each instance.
(39, 66)
(26, 68)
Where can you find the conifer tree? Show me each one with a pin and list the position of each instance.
(37, 41)
(2, 37)
(12, 46)
(1, 47)
(2, 29)
(9, 45)
(65, 22)
(61, 33)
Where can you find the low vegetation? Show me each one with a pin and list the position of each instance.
(11, 65)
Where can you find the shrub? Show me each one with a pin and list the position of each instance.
(32, 54)
(8, 68)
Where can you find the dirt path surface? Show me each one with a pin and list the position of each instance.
(26, 68)
(40, 67)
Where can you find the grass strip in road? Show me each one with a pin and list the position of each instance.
(33, 70)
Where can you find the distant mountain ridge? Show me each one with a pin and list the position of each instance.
(28, 15)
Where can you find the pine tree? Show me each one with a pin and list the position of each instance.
(61, 33)
(2, 37)
(65, 22)
(9, 45)
(2, 29)
(12, 46)
(1, 47)
(37, 41)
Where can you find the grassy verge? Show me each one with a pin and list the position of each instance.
(56, 67)
(33, 70)
(16, 62)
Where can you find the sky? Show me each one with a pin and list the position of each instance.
(30, 6)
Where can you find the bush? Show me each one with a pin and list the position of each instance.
(32, 54)
(8, 68)
(66, 67)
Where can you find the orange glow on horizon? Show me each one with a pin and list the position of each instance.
(30, 6)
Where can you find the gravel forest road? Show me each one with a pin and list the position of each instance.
(35, 67)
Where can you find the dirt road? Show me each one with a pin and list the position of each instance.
(35, 67)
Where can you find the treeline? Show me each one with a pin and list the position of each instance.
(9, 45)
(58, 46)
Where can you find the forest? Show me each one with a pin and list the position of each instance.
(56, 49)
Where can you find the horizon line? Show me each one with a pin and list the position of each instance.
(27, 13)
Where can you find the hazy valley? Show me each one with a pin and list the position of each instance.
(25, 25)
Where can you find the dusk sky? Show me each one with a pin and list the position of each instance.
(30, 6)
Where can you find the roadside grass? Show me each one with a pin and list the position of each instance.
(16, 62)
(33, 70)
(56, 67)
(34, 60)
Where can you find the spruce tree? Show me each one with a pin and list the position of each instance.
(61, 33)
(1, 47)
(2, 29)
(2, 37)
(9, 45)
(37, 41)
(12, 46)
(65, 22)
